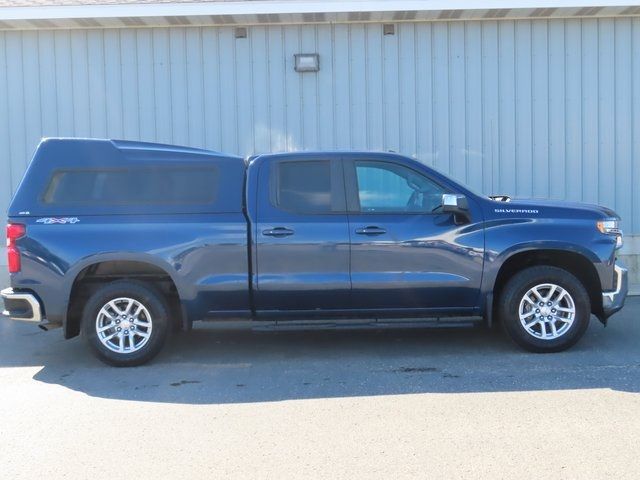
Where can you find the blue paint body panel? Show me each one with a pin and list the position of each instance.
(222, 264)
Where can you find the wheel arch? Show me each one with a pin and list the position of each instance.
(576, 262)
(85, 276)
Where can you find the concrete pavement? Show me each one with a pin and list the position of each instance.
(457, 403)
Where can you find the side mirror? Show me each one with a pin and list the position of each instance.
(458, 205)
(453, 203)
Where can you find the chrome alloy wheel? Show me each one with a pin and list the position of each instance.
(547, 311)
(124, 325)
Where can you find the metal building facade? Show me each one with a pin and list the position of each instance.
(542, 108)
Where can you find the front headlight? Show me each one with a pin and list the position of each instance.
(611, 227)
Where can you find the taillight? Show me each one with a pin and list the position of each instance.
(14, 232)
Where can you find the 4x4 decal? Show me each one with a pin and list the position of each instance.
(62, 221)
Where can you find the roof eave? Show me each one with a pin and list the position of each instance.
(301, 11)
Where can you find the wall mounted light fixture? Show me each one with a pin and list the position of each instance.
(307, 62)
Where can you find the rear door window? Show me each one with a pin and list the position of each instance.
(306, 186)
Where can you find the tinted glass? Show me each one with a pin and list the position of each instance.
(139, 186)
(304, 186)
(386, 187)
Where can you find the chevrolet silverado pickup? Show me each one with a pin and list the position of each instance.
(124, 242)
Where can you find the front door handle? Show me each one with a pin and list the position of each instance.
(278, 232)
(370, 230)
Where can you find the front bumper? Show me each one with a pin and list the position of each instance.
(23, 306)
(614, 300)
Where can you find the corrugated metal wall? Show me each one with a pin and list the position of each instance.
(531, 108)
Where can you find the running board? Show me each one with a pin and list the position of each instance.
(351, 324)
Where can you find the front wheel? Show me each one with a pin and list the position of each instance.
(125, 323)
(545, 309)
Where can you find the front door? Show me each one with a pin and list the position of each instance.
(405, 253)
(302, 237)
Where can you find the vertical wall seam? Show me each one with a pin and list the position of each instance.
(203, 110)
(120, 66)
(482, 109)
(252, 97)
(598, 156)
(283, 42)
(564, 123)
(24, 92)
(548, 101)
(37, 55)
(633, 93)
(615, 113)
(366, 87)
(532, 105)
(170, 69)
(317, 89)
(167, 46)
(581, 104)
(219, 90)
(416, 115)
(401, 105)
(466, 109)
(235, 88)
(73, 88)
(352, 97)
(383, 54)
(185, 78)
(349, 103)
(302, 123)
(499, 109)
(365, 74)
(334, 130)
(6, 84)
(516, 138)
(582, 112)
(431, 71)
(448, 58)
(38, 66)
(137, 82)
(269, 96)
(153, 76)
(104, 83)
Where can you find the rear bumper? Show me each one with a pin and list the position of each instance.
(613, 301)
(22, 306)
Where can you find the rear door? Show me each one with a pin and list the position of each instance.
(302, 236)
(405, 253)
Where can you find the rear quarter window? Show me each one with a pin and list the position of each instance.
(133, 186)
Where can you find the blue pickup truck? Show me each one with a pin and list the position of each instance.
(124, 242)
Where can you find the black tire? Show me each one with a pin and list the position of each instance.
(514, 292)
(154, 303)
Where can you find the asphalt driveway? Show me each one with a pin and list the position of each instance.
(337, 404)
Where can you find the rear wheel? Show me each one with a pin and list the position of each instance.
(125, 323)
(545, 309)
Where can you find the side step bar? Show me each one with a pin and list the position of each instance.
(350, 324)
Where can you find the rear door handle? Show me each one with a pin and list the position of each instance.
(278, 232)
(370, 230)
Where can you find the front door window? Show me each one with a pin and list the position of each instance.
(388, 188)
